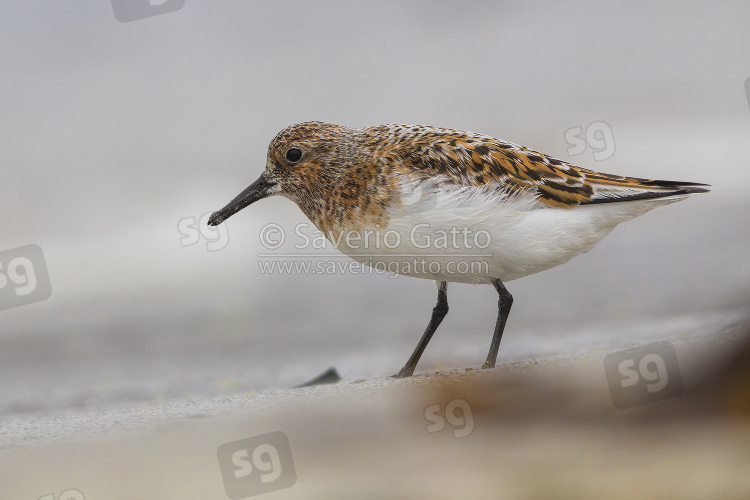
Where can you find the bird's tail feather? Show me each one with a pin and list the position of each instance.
(610, 188)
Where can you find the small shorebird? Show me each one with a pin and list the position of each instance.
(448, 205)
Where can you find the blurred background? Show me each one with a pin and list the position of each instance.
(117, 137)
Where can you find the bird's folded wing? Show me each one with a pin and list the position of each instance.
(484, 161)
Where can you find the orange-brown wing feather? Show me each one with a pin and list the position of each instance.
(477, 160)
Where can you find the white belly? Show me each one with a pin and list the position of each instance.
(471, 236)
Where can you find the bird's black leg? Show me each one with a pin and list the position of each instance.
(504, 301)
(438, 313)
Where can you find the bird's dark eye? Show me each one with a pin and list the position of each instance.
(293, 155)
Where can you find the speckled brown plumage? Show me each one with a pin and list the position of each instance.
(347, 176)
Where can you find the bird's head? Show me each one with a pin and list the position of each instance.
(301, 159)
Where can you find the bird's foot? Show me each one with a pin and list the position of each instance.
(404, 372)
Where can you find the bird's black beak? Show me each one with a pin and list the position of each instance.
(254, 192)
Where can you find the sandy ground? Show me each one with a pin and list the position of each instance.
(544, 428)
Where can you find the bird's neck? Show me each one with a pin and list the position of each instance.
(350, 193)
